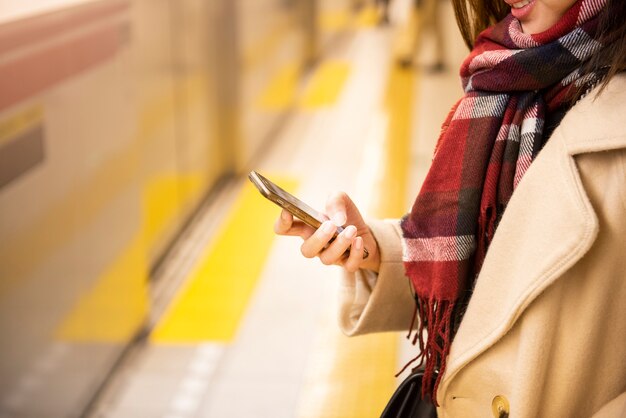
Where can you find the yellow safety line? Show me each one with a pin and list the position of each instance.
(281, 90)
(349, 377)
(354, 377)
(163, 197)
(266, 45)
(210, 305)
(367, 17)
(325, 85)
(344, 19)
(333, 20)
(399, 101)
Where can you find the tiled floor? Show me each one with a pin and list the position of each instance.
(287, 357)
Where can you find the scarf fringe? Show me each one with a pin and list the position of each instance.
(436, 324)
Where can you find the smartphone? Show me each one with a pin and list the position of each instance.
(292, 204)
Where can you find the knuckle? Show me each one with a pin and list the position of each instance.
(338, 194)
(350, 267)
(337, 198)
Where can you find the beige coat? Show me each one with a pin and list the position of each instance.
(545, 329)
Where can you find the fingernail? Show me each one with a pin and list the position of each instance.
(339, 218)
(358, 243)
(349, 232)
(284, 216)
(328, 227)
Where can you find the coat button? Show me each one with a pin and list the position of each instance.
(500, 407)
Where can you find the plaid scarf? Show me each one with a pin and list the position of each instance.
(514, 85)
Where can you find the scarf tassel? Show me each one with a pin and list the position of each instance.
(436, 321)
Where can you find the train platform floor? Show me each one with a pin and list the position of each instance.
(244, 326)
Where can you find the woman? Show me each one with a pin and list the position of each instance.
(515, 245)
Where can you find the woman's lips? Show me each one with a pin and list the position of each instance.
(521, 9)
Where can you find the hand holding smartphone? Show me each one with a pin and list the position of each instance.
(292, 204)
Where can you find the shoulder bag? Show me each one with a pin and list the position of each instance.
(407, 402)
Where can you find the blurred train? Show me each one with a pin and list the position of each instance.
(117, 119)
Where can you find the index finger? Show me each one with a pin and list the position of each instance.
(287, 225)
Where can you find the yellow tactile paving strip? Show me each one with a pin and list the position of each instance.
(163, 197)
(334, 20)
(354, 377)
(399, 98)
(266, 44)
(343, 19)
(325, 85)
(210, 305)
(281, 91)
(366, 18)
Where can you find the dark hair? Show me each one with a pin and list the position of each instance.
(612, 36)
(473, 16)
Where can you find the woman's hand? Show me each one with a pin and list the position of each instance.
(355, 236)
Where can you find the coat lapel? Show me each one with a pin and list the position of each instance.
(524, 257)
(548, 226)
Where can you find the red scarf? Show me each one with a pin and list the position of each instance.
(515, 84)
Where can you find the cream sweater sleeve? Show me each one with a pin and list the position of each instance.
(371, 302)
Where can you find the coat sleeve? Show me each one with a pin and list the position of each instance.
(371, 302)
(614, 409)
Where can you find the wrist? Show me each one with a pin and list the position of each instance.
(372, 262)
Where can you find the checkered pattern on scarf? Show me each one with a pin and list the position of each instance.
(512, 81)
